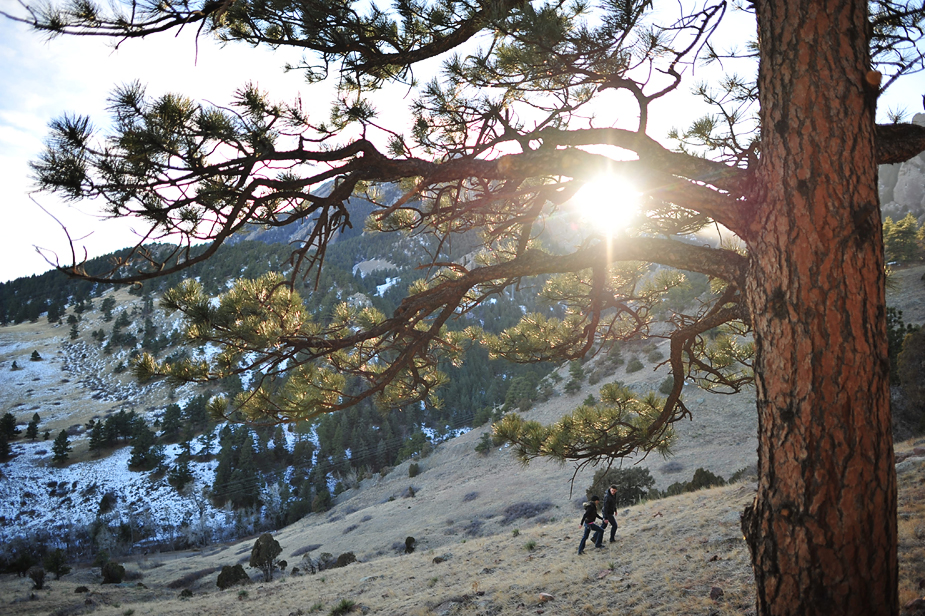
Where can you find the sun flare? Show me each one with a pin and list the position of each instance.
(609, 203)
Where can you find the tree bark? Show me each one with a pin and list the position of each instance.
(822, 529)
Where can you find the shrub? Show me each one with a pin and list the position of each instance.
(344, 607)
(705, 479)
(230, 576)
(633, 484)
(530, 545)
(55, 563)
(344, 559)
(634, 365)
(409, 544)
(351, 528)
(655, 356)
(37, 575)
(113, 573)
(413, 469)
(483, 447)
(264, 555)
(666, 386)
(186, 593)
(747, 472)
(590, 400)
(470, 496)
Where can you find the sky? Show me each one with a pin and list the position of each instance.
(44, 79)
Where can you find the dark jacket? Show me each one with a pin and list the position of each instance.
(610, 504)
(590, 514)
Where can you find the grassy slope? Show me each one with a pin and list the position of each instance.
(662, 564)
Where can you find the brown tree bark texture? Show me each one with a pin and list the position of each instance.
(822, 529)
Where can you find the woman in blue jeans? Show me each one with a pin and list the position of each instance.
(588, 522)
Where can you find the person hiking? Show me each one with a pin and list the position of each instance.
(609, 511)
(588, 523)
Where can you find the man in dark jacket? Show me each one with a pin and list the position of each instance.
(610, 510)
(588, 522)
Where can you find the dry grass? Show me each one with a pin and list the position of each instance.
(668, 555)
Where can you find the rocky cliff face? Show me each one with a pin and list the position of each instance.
(902, 186)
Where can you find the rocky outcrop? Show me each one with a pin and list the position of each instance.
(902, 186)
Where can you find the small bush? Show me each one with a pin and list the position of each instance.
(413, 469)
(530, 545)
(473, 528)
(483, 447)
(344, 559)
(230, 576)
(409, 544)
(470, 496)
(515, 532)
(634, 365)
(37, 575)
(666, 386)
(186, 593)
(113, 573)
(632, 484)
(655, 356)
(344, 607)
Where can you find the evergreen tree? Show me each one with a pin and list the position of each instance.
(108, 305)
(32, 430)
(56, 563)
(98, 438)
(245, 478)
(146, 454)
(264, 555)
(60, 448)
(171, 423)
(8, 426)
(181, 474)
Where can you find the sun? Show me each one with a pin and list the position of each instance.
(610, 204)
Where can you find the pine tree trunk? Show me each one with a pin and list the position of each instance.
(822, 529)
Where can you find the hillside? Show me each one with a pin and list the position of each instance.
(682, 555)
(465, 506)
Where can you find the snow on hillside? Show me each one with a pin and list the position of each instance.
(36, 496)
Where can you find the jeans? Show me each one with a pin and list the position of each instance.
(610, 519)
(598, 536)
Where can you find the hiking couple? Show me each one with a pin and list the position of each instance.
(590, 517)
